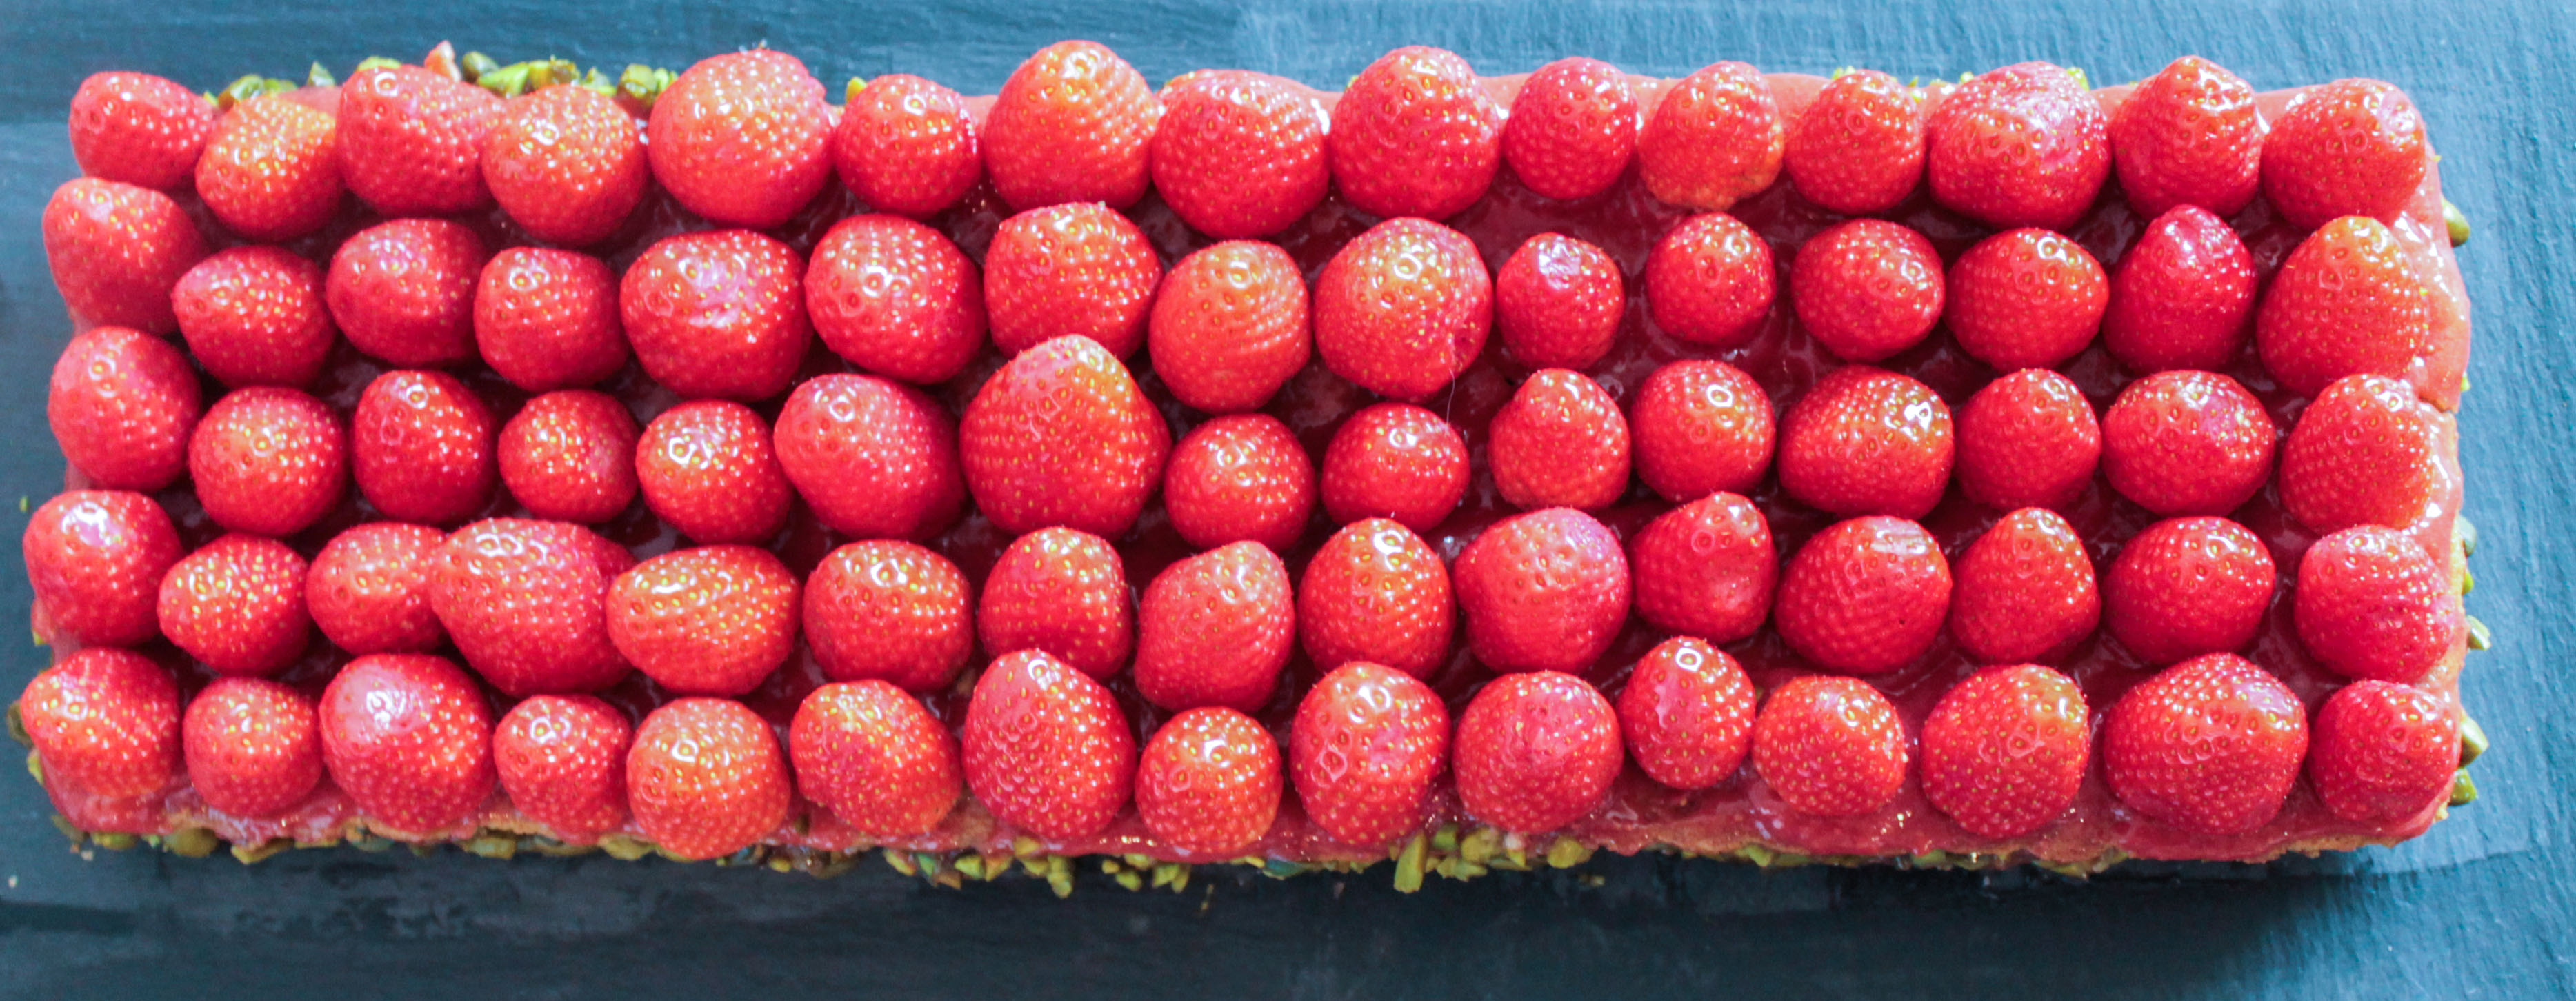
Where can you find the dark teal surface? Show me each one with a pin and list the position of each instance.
(2482, 907)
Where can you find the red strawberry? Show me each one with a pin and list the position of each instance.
(1376, 592)
(713, 620)
(2188, 135)
(906, 145)
(2183, 296)
(706, 467)
(1367, 744)
(1559, 442)
(1558, 301)
(139, 129)
(2210, 745)
(1710, 282)
(254, 316)
(409, 738)
(1859, 147)
(404, 291)
(271, 170)
(1701, 426)
(873, 457)
(121, 405)
(1572, 129)
(2029, 298)
(237, 605)
(2024, 591)
(1062, 436)
(888, 610)
(1062, 592)
(1414, 136)
(1864, 596)
(2366, 452)
(411, 140)
(1070, 269)
(1403, 308)
(1241, 477)
(116, 251)
(896, 298)
(1240, 154)
(2187, 586)
(566, 163)
(2005, 750)
(2383, 753)
(1072, 124)
(1543, 591)
(2371, 603)
(1536, 751)
(548, 319)
(1867, 288)
(95, 559)
(742, 138)
(1713, 140)
(569, 455)
(1687, 714)
(1830, 747)
(105, 723)
(875, 757)
(717, 314)
(421, 445)
(1215, 629)
(2348, 300)
(1229, 326)
(369, 588)
(2024, 145)
(1046, 748)
(706, 779)
(526, 603)
(254, 746)
(2028, 440)
(1208, 782)
(1706, 569)
(1867, 441)
(2181, 442)
(1395, 460)
(269, 461)
(2351, 147)
(562, 760)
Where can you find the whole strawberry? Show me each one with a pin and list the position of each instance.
(1867, 288)
(1414, 136)
(566, 163)
(116, 250)
(717, 313)
(2182, 442)
(562, 760)
(409, 738)
(421, 446)
(105, 723)
(1536, 751)
(896, 298)
(1559, 442)
(1070, 269)
(1062, 592)
(548, 319)
(706, 778)
(1859, 147)
(1701, 426)
(2383, 753)
(237, 605)
(2187, 586)
(254, 746)
(1687, 714)
(2366, 452)
(411, 140)
(1830, 747)
(271, 170)
(1376, 592)
(1215, 629)
(139, 129)
(2210, 745)
(1864, 596)
(2024, 145)
(713, 620)
(1558, 301)
(1061, 435)
(2348, 300)
(525, 601)
(2005, 750)
(706, 468)
(404, 291)
(1403, 308)
(1573, 128)
(1710, 282)
(121, 404)
(1368, 743)
(1543, 591)
(1395, 460)
(2028, 439)
(876, 758)
(95, 559)
(874, 458)
(1240, 477)
(2351, 147)
(1706, 568)
(906, 145)
(1713, 140)
(1074, 123)
(1208, 782)
(2024, 591)
(742, 138)
(569, 455)
(255, 316)
(1867, 441)
(2371, 603)
(368, 589)
(269, 461)
(1047, 749)
(2028, 298)
(1229, 326)
(2183, 296)
(2188, 135)
(1240, 154)
(888, 610)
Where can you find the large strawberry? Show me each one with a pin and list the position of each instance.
(255, 316)
(876, 758)
(569, 455)
(1414, 136)
(116, 250)
(1240, 154)
(411, 140)
(1403, 308)
(2028, 298)
(1700, 426)
(1830, 747)
(1208, 782)
(742, 138)
(706, 468)
(2024, 591)
(874, 458)
(94, 562)
(2182, 442)
(2024, 145)
(1239, 477)
(2371, 603)
(2187, 586)
(888, 610)
(1395, 460)
(1074, 123)
(1864, 596)
(1376, 592)
(717, 314)
(105, 723)
(1366, 746)
(2210, 745)
(403, 291)
(237, 605)
(1687, 714)
(1859, 147)
(1710, 281)
(525, 601)
(706, 778)
(896, 298)
(1573, 128)
(2183, 296)
(1543, 591)
(1536, 751)
(1559, 442)
(713, 620)
(1229, 326)
(2004, 751)
(421, 446)
(562, 759)
(271, 170)
(1713, 140)
(1706, 568)
(2348, 300)
(1558, 301)
(268, 460)
(1867, 288)
(2383, 753)
(139, 128)
(566, 163)
(409, 738)
(1069, 269)
(2351, 147)
(548, 319)
(1047, 749)
(2028, 439)
(1063, 592)
(1867, 441)
(121, 404)
(254, 746)
(368, 589)
(906, 145)
(1061, 435)
(2188, 135)
(1215, 629)
(2365, 452)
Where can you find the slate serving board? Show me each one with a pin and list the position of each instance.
(2483, 906)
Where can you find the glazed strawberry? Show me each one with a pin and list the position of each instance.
(411, 140)
(2210, 745)
(139, 129)
(404, 291)
(1395, 460)
(2028, 298)
(562, 760)
(2182, 442)
(368, 589)
(1047, 749)
(2028, 439)
(2371, 603)
(874, 458)
(1376, 592)
(1414, 136)
(1070, 269)
(1215, 629)
(421, 446)
(1687, 714)
(896, 298)
(1367, 745)
(1859, 147)
(116, 250)
(717, 314)
(237, 605)
(253, 746)
(1241, 477)
(1867, 288)
(2188, 135)
(566, 163)
(1229, 326)
(1710, 281)
(1074, 123)
(105, 722)
(94, 561)
(706, 468)
(2383, 753)
(906, 145)
(1864, 596)
(1830, 747)
(271, 170)
(1208, 782)
(705, 778)
(876, 758)
(1558, 301)
(409, 738)
(1543, 591)
(1062, 436)
(713, 620)
(2024, 145)
(269, 461)
(121, 404)
(742, 138)
(888, 610)
(1573, 128)
(2187, 586)
(548, 319)
(1240, 154)
(1560, 442)
(1536, 751)
(2351, 147)
(2366, 452)
(2005, 750)
(2183, 296)
(2024, 591)
(255, 316)
(1706, 569)
(2348, 300)
(569, 455)
(525, 601)
(1701, 426)
(1713, 140)
(1403, 308)
(1062, 592)
(1867, 441)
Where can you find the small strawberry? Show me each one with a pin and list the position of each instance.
(237, 605)
(2187, 586)
(255, 316)
(1376, 592)
(548, 319)
(403, 291)
(1559, 442)
(2028, 439)
(1710, 282)
(368, 589)
(2024, 145)
(2028, 298)
(1047, 749)
(717, 314)
(2347, 300)
(1229, 326)
(116, 251)
(1701, 426)
(876, 758)
(95, 559)
(2005, 750)
(1558, 301)
(1830, 747)
(1867, 288)
(269, 461)
(1414, 136)
(906, 145)
(713, 620)
(526, 601)
(896, 298)
(1240, 477)
(2183, 296)
(874, 458)
(105, 722)
(409, 738)
(2383, 753)
(1687, 714)
(1367, 745)
(1395, 460)
(1215, 629)
(562, 760)
(2371, 603)
(2181, 442)
(2188, 135)
(421, 446)
(1061, 435)
(1543, 591)
(2366, 452)
(1706, 568)
(139, 129)
(1713, 140)
(411, 140)
(1867, 441)
(569, 455)
(891, 611)
(1403, 308)
(254, 746)
(1208, 782)
(1240, 154)
(742, 138)
(1074, 123)
(271, 170)
(1859, 147)
(2210, 745)
(1064, 593)
(2351, 147)
(566, 163)
(705, 778)
(706, 468)
(1572, 129)
(1536, 751)
(1864, 596)
(1070, 269)
(121, 404)
(2024, 591)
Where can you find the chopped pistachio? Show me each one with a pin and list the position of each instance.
(1025, 846)
(1059, 875)
(971, 865)
(1408, 865)
(624, 847)
(2473, 739)
(1756, 854)
(1446, 838)
(781, 864)
(1131, 879)
(2480, 637)
(949, 878)
(253, 854)
(36, 767)
(476, 65)
(64, 824)
(191, 842)
(492, 844)
(2463, 790)
(115, 841)
(1479, 845)
(1138, 860)
(1034, 865)
(2456, 221)
(1567, 853)
(850, 93)
(901, 862)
